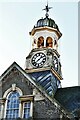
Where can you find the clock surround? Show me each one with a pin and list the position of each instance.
(38, 59)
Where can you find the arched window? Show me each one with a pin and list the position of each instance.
(40, 42)
(16, 105)
(12, 110)
(49, 42)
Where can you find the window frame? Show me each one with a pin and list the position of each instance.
(7, 103)
(5, 96)
(26, 108)
(22, 99)
(25, 99)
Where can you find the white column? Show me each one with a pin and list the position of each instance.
(31, 109)
(44, 42)
(20, 110)
(2, 110)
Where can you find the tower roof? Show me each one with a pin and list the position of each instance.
(46, 22)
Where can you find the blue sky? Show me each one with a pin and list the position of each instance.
(18, 18)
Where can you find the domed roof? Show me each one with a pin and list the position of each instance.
(46, 22)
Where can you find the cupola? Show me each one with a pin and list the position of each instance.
(45, 33)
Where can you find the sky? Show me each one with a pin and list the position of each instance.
(17, 19)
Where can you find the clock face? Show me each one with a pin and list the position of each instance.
(38, 59)
(55, 63)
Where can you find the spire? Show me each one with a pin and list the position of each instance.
(47, 9)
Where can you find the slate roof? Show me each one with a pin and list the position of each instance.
(46, 80)
(69, 98)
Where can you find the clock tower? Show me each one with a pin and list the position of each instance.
(43, 62)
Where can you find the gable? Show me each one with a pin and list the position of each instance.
(16, 77)
(15, 74)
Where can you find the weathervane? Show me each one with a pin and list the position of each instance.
(47, 9)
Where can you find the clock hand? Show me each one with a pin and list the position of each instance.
(39, 59)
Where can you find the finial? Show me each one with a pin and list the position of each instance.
(47, 9)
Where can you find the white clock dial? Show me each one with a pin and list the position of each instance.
(55, 63)
(38, 59)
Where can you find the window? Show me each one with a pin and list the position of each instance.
(16, 105)
(26, 109)
(40, 42)
(27, 105)
(49, 42)
(12, 110)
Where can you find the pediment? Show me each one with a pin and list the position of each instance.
(15, 69)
